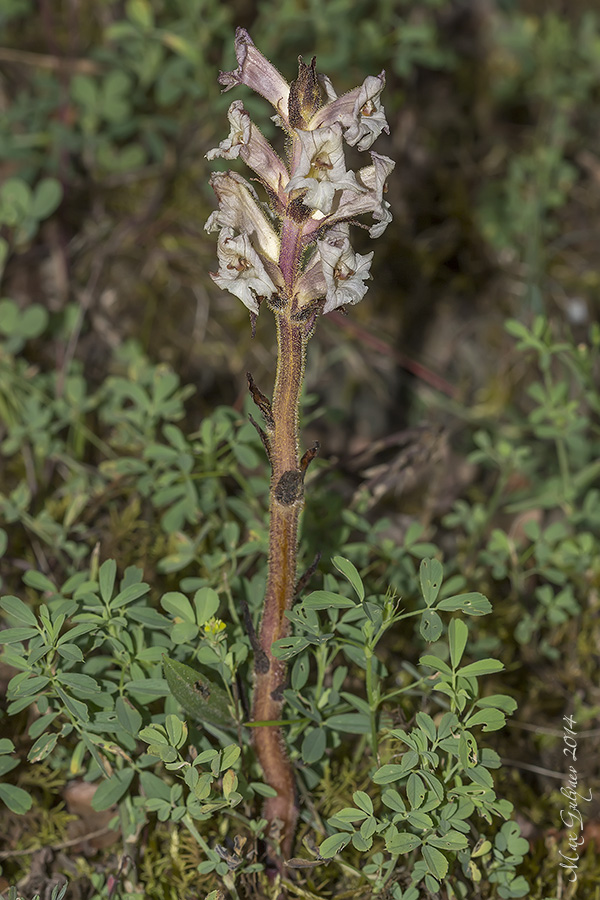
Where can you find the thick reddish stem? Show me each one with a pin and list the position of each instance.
(286, 502)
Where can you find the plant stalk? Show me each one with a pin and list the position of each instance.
(285, 505)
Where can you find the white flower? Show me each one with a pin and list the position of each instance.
(359, 111)
(320, 168)
(246, 141)
(373, 179)
(241, 271)
(345, 271)
(257, 73)
(240, 209)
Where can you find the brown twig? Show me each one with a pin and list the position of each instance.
(9, 854)
(406, 362)
(47, 61)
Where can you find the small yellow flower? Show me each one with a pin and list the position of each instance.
(214, 627)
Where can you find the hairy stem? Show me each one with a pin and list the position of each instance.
(285, 505)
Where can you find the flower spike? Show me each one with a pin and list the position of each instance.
(311, 199)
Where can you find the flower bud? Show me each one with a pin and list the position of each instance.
(305, 95)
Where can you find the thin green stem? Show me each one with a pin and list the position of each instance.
(372, 700)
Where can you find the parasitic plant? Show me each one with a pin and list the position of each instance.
(293, 253)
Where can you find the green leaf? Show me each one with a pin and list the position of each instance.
(419, 820)
(352, 723)
(176, 730)
(10, 316)
(392, 772)
(350, 572)
(184, 632)
(75, 707)
(431, 573)
(448, 723)
(111, 790)
(517, 329)
(128, 716)
(480, 775)
(452, 840)
(519, 887)
(313, 745)
(46, 198)
(34, 321)
(17, 800)
(140, 12)
(431, 625)
(436, 861)
(246, 456)
(498, 701)
(18, 610)
(333, 844)
(474, 604)
(201, 698)
(165, 753)
(434, 662)
(481, 848)
(231, 754)
(415, 790)
(129, 594)
(28, 686)
(300, 673)
(457, 638)
(6, 745)
(363, 801)
(79, 683)
(344, 816)
(93, 750)
(15, 195)
(151, 618)
(16, 635)
(229, 783)
(206, 602)
(154, 734)
(327, 600)
(106, 578)
(84, 91)
(481, 667)
(361, 843)
(42, 747)
(402, 842)
(156, 687)
(426, 724)
(7, 764)
(264, 790)
(286, 648)
(39, 581)
(468, 751)
(179, 606)
(434, 784)
(491, 719)
(509, 839)
(70, 652)
(392, 799)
